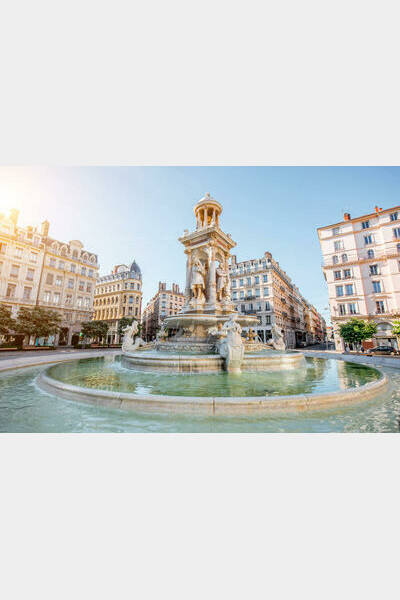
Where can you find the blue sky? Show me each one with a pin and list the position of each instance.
(126, 213)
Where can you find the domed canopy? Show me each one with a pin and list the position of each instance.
(207, 212)
(134, 268)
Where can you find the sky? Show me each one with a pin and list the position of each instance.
(127, 213)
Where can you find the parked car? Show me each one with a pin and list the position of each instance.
(383, 350)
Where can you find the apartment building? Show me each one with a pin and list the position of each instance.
(22, 252)
(118, 295)
(261, 287)
(36, 269)
(361, 265)
(163, 304)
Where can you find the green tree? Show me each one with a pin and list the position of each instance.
(396, 330)
(122, 323)
(95, 329)
(356, 331)
(6, 321)
(37, 321)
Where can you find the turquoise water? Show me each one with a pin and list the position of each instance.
(318, 376)
(25, 408)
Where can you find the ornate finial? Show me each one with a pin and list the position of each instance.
(208, 195)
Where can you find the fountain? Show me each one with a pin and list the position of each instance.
(201, 363)
(207, 334)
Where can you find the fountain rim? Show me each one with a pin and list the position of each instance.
(212, 405)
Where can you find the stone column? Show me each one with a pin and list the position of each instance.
(188, 274)
(212, 283)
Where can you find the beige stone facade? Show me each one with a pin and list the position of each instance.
(361, 265)
(165, 303)
(261, 287)
(118, 295)
(39, 270)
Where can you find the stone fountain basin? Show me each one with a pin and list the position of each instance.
(212, 406)
(189, 362)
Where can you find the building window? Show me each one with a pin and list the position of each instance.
(335, 260)
(267, 306)
(235, 295)
(342, 309)
(59, 280)
(337, 274)
(377, 287)
(61, 265)
(338, 245)
(73, 268)
(267, 320)
(373, 269)
(14, 271)
(396, 232)
(258, 292)
(365, 224)
(88, 287)
(394, 216)
(349, 289)
(241, 282)
(347, 273)
(56, 298)
(90, 273)
(79, 302)
(344, 258)
(33, 257)
(30, 274)
(83, 271)
(368, 239)
(242, 293)
(266, 291)
(339, 290)
(380, 307)
(352, 309)
(3, 248)
(371, 253)
(47, 296)
(248, 280)
(19, 252)
(81, 286)
(131, 301)
(70, 283)
(336, 231)
(10, 293)
(27, 293)
(234, 283)
(256, 280)
(265, 278)
(249, 293)
(52, 262)
(49, 279)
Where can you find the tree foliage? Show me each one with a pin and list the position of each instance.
(94, 329)
(124, 322)
(396, 327)
(356, 331)
(6, 321)
(37, 321)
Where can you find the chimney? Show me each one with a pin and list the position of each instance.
(14, 215)
(45, 228)
(347, 217)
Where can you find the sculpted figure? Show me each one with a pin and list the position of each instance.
(230, 347)
(277, 342)
(131, 340)
(198, 279)
(222, 283)
(129, 335)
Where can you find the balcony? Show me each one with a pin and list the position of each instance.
(17, 300)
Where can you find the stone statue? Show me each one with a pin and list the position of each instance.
(197, 284)
(230, 346)
(162, 334)
(277, 342)
(222, 283)
(251, 335)
(131, 340)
